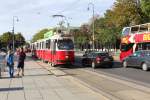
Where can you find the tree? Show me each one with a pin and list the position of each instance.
(126, 12)
(39, 35)
(145, 6)
(6, 39)
(19, 40)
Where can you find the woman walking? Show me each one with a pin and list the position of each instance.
(10, 63)
(21, 58)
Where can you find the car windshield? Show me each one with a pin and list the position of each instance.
(103, 54)
(100, 54)
(126, 47)
(65, 44)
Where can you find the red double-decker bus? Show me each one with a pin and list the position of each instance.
(134, 38)
(57, 49)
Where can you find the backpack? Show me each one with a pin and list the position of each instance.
(9, 59)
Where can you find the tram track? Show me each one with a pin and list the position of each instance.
(96, 82)
(81, 81)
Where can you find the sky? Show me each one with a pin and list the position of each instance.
(34, 15)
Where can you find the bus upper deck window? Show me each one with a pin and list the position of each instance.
(134, 29)
(143, 28)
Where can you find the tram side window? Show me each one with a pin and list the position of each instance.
(48, 44)
(37, 46)
(42, 45)
(126, 47)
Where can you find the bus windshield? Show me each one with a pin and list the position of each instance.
(126, 31)
(126, 47)
(65, 44)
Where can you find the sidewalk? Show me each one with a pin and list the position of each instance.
(41, 84)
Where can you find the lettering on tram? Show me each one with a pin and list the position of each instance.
(134, 38)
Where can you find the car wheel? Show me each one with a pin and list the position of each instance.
(144, 67)
(83, 63)
(111, 64)
(124, 64)
(93, 65)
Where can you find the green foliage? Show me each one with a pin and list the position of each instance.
(39, 35)
(145, 6)
(7, 39)
(20, 40)
(126, 12)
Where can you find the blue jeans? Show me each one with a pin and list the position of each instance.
(11, 71)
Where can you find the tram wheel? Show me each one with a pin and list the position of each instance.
(53, 64)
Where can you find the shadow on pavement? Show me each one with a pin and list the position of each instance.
(9, 77)
(67, 74)
(11, 89)
(38, 75)
(78, 65)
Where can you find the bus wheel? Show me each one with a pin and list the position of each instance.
(124, 64)
(144, 67)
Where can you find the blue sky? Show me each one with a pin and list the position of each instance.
(34, 15)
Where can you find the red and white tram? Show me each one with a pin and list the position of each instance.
(57, 49)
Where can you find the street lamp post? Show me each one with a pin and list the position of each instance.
(93, 37)
(13, 31)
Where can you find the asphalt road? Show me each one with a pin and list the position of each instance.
(135, 75)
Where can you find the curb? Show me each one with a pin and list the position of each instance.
(57, 72)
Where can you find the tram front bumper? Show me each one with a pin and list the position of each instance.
(66, 61)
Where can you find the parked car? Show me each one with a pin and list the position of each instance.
(138, 59)
(96, 59)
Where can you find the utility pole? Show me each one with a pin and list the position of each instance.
(13, 32)
(93, 35)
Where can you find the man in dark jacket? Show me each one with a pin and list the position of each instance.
(21, 58)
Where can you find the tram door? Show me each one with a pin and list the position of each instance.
(53, 52)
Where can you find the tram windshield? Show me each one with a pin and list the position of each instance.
(65, 44)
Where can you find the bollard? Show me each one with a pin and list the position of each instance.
(0, 72)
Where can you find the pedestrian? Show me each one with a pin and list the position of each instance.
(21, 58)
(2, 61)
(10, 62)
